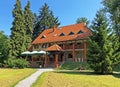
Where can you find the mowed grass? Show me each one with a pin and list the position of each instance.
(10, 77)
(76, 79)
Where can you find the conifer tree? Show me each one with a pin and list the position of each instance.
(4, 43)
(29, 22)
(113, 8)
(81, 20)
(44, 21)
(103, 46)
(17, 42)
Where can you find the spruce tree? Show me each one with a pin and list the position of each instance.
(44, 21)
(113, 8)
(17, 38)
(81, 20)
(29, 22)
(103, 45)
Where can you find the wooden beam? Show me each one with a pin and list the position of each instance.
(56, 60)
(46, 63)
(73, 51)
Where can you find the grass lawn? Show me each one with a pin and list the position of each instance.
(10, 77)
(77, 79)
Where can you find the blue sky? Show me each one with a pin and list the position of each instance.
(67, 11)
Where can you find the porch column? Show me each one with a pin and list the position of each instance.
(63, 47)
(73, 51)
(56, 60)
(84, 59)
(63, 57)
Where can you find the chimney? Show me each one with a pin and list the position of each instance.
(54, 28)
(84, 23)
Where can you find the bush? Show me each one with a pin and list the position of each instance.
(116, 68)
(74, 66)
(0, 65)
(16, 63)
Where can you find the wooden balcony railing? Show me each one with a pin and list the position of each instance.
(76, 47)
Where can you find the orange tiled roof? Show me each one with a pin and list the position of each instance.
(53, 34)
(54, 48)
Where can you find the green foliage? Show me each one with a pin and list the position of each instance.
(16, 63)
(44, 21)
(113, 8)
(0, 65)
(17, 38)
(74, 66)
(116, 68)
(4, 44)
(82, 20)
(103, 46)
(29, 22)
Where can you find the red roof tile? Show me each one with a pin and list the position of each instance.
(53, 34)
(54, 48)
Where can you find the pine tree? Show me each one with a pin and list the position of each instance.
(103, 46)
(44, 21)
(29, 22)
(81, 20)
(17, 42)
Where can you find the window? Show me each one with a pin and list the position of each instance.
(44, 45)
(71, 33)
(62, 34)
(80, 32)
(43, 36)
(36, 46)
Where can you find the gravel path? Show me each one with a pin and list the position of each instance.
(31, 79)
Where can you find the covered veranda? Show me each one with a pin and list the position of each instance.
(55, 57)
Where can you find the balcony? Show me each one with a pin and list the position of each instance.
(76, 47)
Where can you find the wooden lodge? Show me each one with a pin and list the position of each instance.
(67, 43)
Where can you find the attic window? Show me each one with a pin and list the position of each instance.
(43, 36)
(80, 32)
(71, 33)
(62, 34)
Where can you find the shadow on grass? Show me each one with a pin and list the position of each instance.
(72, 72)
(85, 72)
(117, 75)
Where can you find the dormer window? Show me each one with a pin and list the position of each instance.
(62, 34)
(43, 36)
(80, 32)
(71, 33)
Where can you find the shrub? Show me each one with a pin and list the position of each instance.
(116, 68)
(16, 63)
(0, 65)
(74, 65)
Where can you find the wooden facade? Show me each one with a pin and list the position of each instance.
(71, 39)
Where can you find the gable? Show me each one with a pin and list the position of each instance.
(71, 32)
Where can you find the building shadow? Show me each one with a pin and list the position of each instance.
(84, 72)
(76, 72)
(117, 75)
